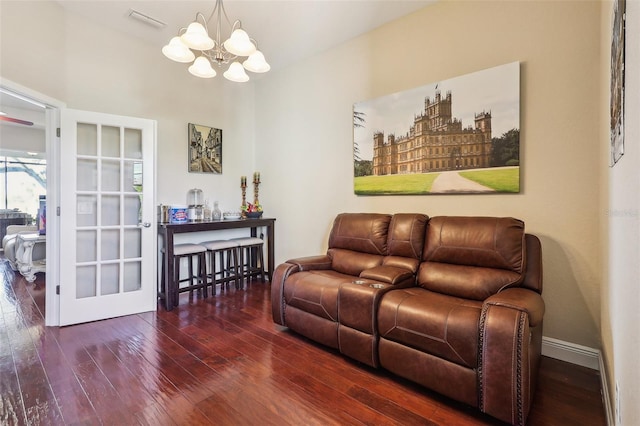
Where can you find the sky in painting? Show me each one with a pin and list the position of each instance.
(495, 90)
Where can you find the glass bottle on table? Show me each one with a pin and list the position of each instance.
(217, 214)
(207, 211)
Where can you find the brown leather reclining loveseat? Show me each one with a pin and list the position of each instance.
(452, 303)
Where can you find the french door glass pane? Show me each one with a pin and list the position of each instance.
(110, 279)
(86, 210)
(86, 281)
(87, 170)
(110, 244)
(87, 139)
(132, 209)
(132, 176)
(133, 143)
(86, 243)
(110, 175)
(132, 243)
(132, 276)
(110, 141)
(110, 210)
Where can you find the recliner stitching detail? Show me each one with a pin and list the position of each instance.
(519, 402)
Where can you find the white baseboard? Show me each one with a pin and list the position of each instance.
(604, 386)
(585, 357)
(571, 352)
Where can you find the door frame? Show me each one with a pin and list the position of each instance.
(52, 145)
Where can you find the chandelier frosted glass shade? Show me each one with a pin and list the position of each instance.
(256, 63)
(236, 73)
(195, 40)
(196, 37)
(239, 43)
(177, 51)
(201, 67)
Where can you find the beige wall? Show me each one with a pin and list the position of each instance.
(304, 135)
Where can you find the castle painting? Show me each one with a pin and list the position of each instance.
(458, 136)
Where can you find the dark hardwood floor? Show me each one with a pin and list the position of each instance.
(222, 361)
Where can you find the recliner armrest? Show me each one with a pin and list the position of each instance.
(310, 263)
(520, 299)
(388, 274)
(281, 273)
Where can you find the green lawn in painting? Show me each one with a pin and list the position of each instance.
(410, 184)
(503, 179)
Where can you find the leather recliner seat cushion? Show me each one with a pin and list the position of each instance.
(468, 282)
(315, 292)
(312, 304)
(352, 262)
(437, 324)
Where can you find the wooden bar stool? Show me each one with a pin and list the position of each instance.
(228, 270)
(172, 289)
(251, 250)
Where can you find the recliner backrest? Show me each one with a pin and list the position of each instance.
(362, 232)
(358, 241)
(472, 257)
(406, 240)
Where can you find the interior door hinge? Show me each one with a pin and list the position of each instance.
(58, 132)
(58, 211)
(57, 289)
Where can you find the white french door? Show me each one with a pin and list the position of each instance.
(107, 218)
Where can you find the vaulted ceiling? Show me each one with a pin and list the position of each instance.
(286, 30)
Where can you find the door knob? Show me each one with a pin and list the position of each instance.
(145, 224)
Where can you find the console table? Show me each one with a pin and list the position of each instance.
(25, 242)
(168, 230)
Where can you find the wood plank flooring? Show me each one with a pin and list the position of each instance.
(222, 361)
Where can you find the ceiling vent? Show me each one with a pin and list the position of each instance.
(156, 23)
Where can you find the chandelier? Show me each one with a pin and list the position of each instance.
(195, 38)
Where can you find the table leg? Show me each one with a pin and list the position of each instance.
(168, 270)
(270, 245)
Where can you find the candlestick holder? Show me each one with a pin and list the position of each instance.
(243, 207)
(256, 190)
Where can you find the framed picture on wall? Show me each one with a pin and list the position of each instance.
(454, 136)
(205, 149)
(617, 81)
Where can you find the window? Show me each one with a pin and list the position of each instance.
(23, 180)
